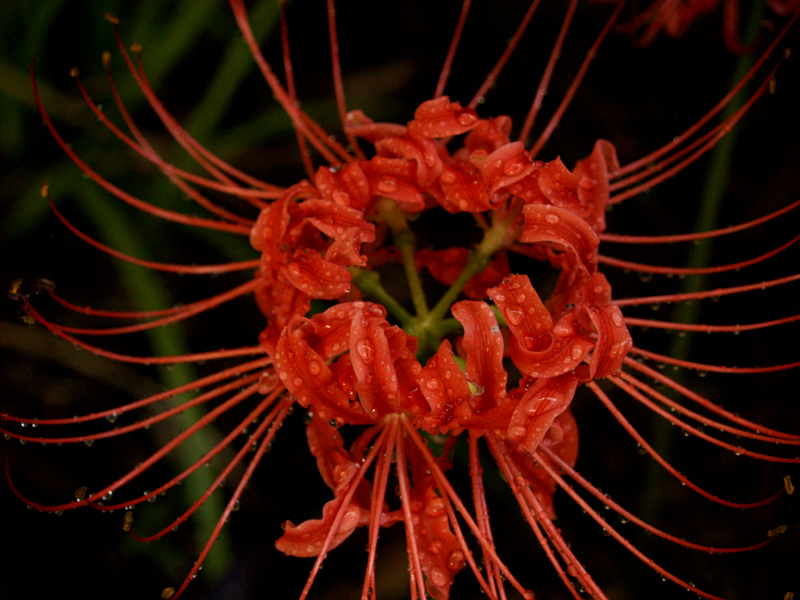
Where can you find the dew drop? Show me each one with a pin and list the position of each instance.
(514, 316)
(365, 350)
(387, 185)
(466, 118)
(435, 507)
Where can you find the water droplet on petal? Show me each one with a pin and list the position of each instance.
(438, 577)
(514, 316)
(365, 350)
(466, 118)
(435, 507)
(387, 185)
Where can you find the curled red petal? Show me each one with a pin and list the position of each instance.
(538, 408)
(483, 344)
(559, 185)
(338, 470)
(346, 249)
(312, 274)
(544, 223)
(395, 178)
(360, 125)
(348, 186)
(463, 188)
(613, 341)
(440, 118)
(446, 390)
(308, 538)
(593, 184)
(273, 221)
(372, 363)
(305, 374)
(505, 166)
(334, 219)
(527, 318)
(489, 135)
(420, 150)
(569, 346)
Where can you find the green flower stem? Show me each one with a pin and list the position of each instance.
(147, 291)
(369, 282)
(715, 187)
(500, 235)
(389, 213)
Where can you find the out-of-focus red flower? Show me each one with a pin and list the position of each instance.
(674, 17)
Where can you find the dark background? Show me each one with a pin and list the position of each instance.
(639, 98)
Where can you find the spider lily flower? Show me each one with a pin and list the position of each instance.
(491, 363)
(674, 18)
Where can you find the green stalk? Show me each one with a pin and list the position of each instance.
(147, 291)
(500, 235)
(716, 184)
(389, 213)
(369, 282)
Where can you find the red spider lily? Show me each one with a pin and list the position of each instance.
(502, 373)
(674, 17)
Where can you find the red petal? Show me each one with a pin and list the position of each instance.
(440, 118)
(593, 186)
(559, 186)
(506, 166)
(489, 135)
(568, 348)
(463, 188)
(613, 341)
(545, 223)
(348, 186)
(338, 469)
(446, 390)
(333, 219)
(359, 124)
(305, 374)
(538, 409)
(317, 277)
(395, 178)
(523, 310)
(420, 150)
(483, 344)
(346, 249)
(372, 362)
